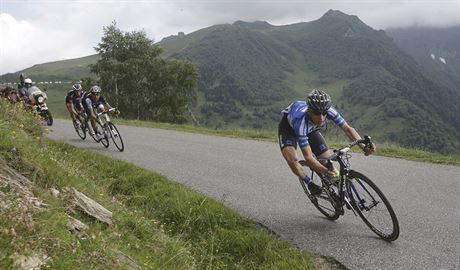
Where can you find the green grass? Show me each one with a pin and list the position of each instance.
(161, 224)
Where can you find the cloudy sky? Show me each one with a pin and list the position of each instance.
(39, 31)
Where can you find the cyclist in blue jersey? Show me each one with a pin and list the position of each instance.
(300, 124)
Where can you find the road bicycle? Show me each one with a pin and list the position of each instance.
(110, 130)
(82, 126)
(105, 129)
(356, 192)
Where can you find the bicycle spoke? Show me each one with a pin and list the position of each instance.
(373, 207)
(116, 137)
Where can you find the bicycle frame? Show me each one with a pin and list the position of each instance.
(105, 118)
(345, 169)
(344, 172)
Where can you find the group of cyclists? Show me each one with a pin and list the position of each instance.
(300, 124)
(86, 104)
(78, 102)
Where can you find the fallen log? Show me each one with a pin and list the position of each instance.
(88, 205)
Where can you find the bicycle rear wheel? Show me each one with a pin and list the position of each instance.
(323, 202)
(116, 137)
(80, 128)
(372, 206)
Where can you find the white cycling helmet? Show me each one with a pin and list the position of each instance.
(28, 82)
(95, 89)
(76, 87)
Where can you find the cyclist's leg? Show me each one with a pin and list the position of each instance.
(80, 110)
(88, 105)
(318, 145)
(288, 145)
(92, 117)
(71, 109)
(319, 148)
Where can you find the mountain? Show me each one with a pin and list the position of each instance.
(437, 49)
(66, 70)
(251, 71)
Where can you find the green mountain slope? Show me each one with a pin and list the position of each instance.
(250, 71)
(436, 49)
(66, 70)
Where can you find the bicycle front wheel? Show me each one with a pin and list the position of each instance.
(104, 137)
(372, 206)
(116, 137)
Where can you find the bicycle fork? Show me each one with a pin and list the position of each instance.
(346, 198)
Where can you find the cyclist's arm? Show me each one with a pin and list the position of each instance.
(351, 133)
(108, 106)
(354, 135)
(312, 162)
(71, 108)
(89, 105)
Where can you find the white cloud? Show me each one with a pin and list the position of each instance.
(38, 31)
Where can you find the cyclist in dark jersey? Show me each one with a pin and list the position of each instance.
(73, 101)
(300, 124)
(93, 100)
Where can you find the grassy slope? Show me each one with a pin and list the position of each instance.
(161, 224)
(72, 69)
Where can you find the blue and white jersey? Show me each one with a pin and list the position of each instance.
(298, 119)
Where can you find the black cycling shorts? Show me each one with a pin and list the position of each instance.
(287, 137)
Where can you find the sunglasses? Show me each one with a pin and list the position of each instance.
(319, 112)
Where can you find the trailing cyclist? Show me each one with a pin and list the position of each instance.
(73, 101)
(300, 124)
(93, 100)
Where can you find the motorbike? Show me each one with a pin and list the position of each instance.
(42, 108)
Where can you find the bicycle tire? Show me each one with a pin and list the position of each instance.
(49, 118)
(116, 136)
(90, 130)
(325, 204)
(363, 191)
(105, 139)
(80, 128)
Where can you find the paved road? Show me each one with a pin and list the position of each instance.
(252, 178)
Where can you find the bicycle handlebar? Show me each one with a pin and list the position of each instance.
(366, 141)
(106, 111)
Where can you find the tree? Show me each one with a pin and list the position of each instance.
(139, 82)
